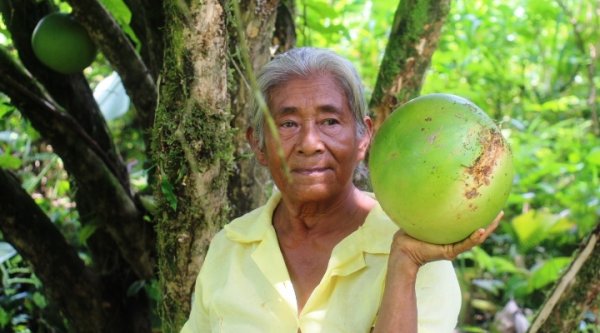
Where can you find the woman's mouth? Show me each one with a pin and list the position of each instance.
(310, 171)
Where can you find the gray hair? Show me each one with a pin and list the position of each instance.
(303, 62)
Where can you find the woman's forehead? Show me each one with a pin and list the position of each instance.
(321, 92)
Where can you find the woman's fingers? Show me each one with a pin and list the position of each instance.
(476, 238)
(421, 252)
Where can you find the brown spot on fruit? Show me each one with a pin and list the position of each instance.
(481, 171)
(472, 193)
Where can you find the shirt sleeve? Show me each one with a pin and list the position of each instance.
(198, 320)
(438, 297)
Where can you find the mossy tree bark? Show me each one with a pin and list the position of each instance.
(413, 39)
(193, 148)
(268, 26)
(205, 175)
(577, 291)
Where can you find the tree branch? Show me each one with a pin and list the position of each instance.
(18, 83)
(247, 184)
(70, 91)
(66, 279)
(117, 210)
(116, 47)
(147, 21)
(412, 41)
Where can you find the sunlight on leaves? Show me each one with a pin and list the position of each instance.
(535, 226)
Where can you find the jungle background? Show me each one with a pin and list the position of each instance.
(531, 65)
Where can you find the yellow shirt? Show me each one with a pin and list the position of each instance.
(244, 286)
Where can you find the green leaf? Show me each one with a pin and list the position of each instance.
(321, 8)
(493, 264)
(153, 290)
(169, 193)
(472, 329)
(594, 156)
(62, 187)
(149, 203)
(517, 286)
(10, 162)
(564, 103)
(122, 15)
(86, 231)
(503, 265)
(4, 317)
(481, 257)
(39, 300)
(483, 305)
(118, 9)
(5, 108)
(547, 273)
(525, 226)
(534, 226)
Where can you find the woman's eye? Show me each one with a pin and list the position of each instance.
(330, 121)
(287, 124)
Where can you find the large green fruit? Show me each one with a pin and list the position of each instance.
(62, 44)
(440, 168)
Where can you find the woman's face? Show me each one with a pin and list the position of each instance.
(318, 136)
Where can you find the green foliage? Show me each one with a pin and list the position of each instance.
(122, 15)
(525, 63)
(23, 307)
(521, 62)
(356, 29)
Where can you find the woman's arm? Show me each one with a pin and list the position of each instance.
(398, 310)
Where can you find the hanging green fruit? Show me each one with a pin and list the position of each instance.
(62, 44)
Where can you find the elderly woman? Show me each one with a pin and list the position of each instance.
(321, 255)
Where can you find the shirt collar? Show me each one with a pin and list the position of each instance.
(377, 232)
(374, 236)
(252, 226)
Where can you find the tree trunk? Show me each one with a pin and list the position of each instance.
(577, 291)
(116, 47)
(204, 172)
(250, 183)
(193, 148)
(413, 39)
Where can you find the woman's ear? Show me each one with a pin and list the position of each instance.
(365, 140)
(255, 145)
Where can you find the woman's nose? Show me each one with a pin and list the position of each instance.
(310, 140)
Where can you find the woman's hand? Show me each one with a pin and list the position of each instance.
(398, 310)
(406, 248)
